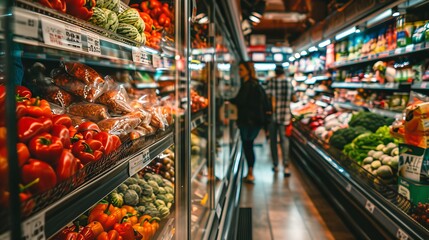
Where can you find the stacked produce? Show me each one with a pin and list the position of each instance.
(198, 102)
(163, 165)
(157, 17)
(383, 162)
(420, 213)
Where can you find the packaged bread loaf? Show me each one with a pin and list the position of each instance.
(91, 111)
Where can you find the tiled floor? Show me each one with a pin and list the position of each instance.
(288, 208)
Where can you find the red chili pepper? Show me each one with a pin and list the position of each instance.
(39, 169)
(88, 129)
(28, 127)
(63, 133)
(37, 107)
(110, 142)
(46, 147)
(67, 165)
(161, 19)
(82, 9)
(88, 150)
(154, 4)
(62, 119)
(23, 153)
(125, 230)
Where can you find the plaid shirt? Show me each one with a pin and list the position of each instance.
(281, 90)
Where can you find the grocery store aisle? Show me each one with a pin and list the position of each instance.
(288, 208)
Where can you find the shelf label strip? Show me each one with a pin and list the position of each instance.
(93, 43)
(26, 25)
(34, 227)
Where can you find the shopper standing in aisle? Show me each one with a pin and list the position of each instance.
(254, 110)
(280, 90)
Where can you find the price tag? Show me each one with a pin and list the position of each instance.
(369, 206)
(136, 55)
(398, 51)
(166, 63)
(409, 48)
(349, 187)
(218, 211)
(93, 42)
(5, 236)
(400, 234)
(146, 59)
(193, 124)
(156, 61)
(136, 164)
(34, 228)
(61, 35)
(423, 85)
(26, 25)
(146, 155)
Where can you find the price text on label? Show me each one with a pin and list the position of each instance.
(93, 42)
(34, 227)
(146, 155)
(136, 164)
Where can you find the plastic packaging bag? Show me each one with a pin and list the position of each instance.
(88, 92)
(119, 125)
(116, 100)
(55, 94)
(91, 111)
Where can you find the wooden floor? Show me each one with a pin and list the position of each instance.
(288, 208)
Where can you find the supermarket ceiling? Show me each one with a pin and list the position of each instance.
(283, 21)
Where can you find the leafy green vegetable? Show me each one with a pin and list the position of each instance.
(344, 136)
(369, 120)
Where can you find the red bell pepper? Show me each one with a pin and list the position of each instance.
(147, 21)
(106, 214)
(125, 229)
(62, 119)
(95, 227)
(46, 147)
(39, 169)
(110, 142)
(88, 129)
(58, 5)
(28, 127)
(37, 107)
(23, 153)
(63, 133)
(67, 165)
(88, 150)
(23, 92)
(111, 235)
(87, 233)
(82, 9)
(154, 4)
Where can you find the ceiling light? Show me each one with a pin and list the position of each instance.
(297, 55)
(291, 59)
(285, 64)
(254, 19)
(256, 14)
(384, 15)
(345, 33)
(395, 12)
(303, 53)
(313, 49)
(324, 43)
(278, 57)
(265, 66)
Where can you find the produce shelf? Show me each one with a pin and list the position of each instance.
(45, 39)
(382, 112)
(65, 210)
(380, 203)
(410, 49)
(403, 87)
(300, 78)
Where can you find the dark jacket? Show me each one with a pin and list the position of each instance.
(252, 104)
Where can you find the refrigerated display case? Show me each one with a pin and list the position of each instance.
(127, 101)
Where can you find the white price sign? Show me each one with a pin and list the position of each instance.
(136, 164)
(61, 35)
(218, 211)
(401, 235)
(145, 59)
(34, 228)
(369, 206)
(423, 85)
(156, 61)
(26, 25)
(93, 41)
(5, 236)
(136, 55)
(349, 187)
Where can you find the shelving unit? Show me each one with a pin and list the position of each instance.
(385, 216)
(397, 87)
